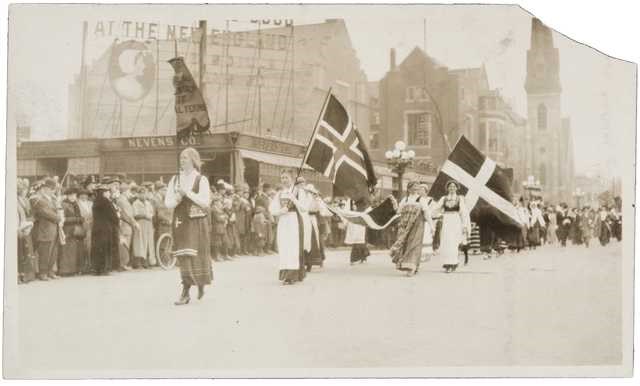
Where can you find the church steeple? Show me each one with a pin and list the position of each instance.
(543, 63)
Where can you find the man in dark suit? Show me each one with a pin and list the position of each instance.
(48, 220)
(263, 200)
(564, 224)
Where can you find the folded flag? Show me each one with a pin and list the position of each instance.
(191, 110)
(337, 151)
(375, 218)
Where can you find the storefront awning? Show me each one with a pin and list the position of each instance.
(273, 159)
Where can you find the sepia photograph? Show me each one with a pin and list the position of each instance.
(315, 191)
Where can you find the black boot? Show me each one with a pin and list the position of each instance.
(200, 291)
(184, 297)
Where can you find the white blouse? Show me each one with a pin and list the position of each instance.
(202, 198)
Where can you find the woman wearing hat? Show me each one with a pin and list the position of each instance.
(72, 252)
(288, 205)
(105, 232)
(406, 251)
(189, 194)
(455, 225)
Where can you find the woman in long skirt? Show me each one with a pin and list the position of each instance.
(288, 205)
(553, 227)
(406, 252)
(429, 226)
(356, 236)
(455, 226)
(536, 226)
(72, 252)
(316, 210)
(189, 193)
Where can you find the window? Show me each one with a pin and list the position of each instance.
(374, 140)
(542, 117)
(492, 137)
(543, 174)
(419, 127)
(411, 91)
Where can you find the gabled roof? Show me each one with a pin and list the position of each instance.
(417, 56)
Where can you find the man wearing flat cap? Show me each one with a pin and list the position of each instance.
(48, 222)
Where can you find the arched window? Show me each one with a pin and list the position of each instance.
(543, 174)
(542, 117)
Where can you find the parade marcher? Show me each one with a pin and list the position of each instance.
(455, 226)
(189, 195)
(575, 233)
(86, 212)
(616, 223)
(406, 252)
(356, 236)
(525, 220)
(144, 254)
(105, 238)
(536, 225)
(429, 225)
(552, 226)
(72, 252)
(26, 255)
(316, 255)
(587, 223)
(47, 225)
(603, 226)
(288, 205)
(564, 224)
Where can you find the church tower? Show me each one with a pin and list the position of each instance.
(545, 133)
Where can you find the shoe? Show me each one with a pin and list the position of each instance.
(53, 276)
(43, 278)
(227, 258)
(126, 268)
(200, 291)
(182, 301)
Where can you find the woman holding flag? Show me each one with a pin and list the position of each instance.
(288, 205)
(455, 225)
(188, 193)
(406, 252)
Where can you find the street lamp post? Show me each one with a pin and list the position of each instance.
(399, 159)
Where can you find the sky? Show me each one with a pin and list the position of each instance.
(598, 91)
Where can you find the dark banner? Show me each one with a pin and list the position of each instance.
(192, 116)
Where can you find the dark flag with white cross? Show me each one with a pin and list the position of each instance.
(338, 152)
(485, 186)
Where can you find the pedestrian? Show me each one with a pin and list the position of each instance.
(287, 205)
(575, 233)
(189, 194)
(525, 219)
(143, 249)
(603, 226)
(316, 255)
(48, 223)
(260, 226)
(219, 220)
(586, 226)
(105, 237)
(616, 223)
(406, 252)
(85, 206)
(26, 255)
(356, 237)
(128, 228)
(72, 252)
(455, 226)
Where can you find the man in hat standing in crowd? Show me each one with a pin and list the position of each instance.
(48, 222)
(263, 200)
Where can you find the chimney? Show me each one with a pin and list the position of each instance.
(392, 59)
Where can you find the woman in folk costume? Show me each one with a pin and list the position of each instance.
(455, 226)
(188, 193)
(288, 205)
(429, 225)
(72, 252)
(143, 248)
(356, 236)
(316, 210)
(536, 225)
(406, 252)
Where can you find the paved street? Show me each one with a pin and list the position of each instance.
(548, 307)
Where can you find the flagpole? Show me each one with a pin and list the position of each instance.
(315, 129)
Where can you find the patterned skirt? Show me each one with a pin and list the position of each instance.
(196, 269)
